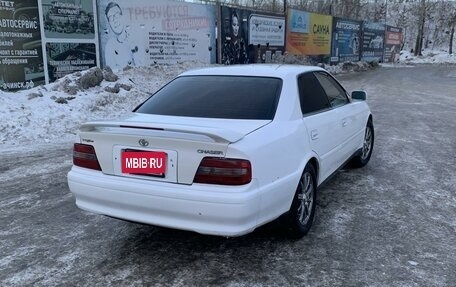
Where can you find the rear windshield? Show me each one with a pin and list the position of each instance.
(227, 97)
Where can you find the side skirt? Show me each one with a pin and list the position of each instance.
(356, 153)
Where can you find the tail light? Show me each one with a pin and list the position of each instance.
(224, 171)
(84, 156)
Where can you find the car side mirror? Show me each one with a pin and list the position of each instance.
(359, 95)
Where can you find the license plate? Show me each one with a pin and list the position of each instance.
(144, 162)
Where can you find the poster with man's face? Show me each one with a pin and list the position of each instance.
(145, 33)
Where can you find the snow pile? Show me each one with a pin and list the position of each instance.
(429, 57)
(286, 58)
(54, 112)
(345, 67)
(349, 67)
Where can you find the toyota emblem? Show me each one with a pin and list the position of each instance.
(143, 142)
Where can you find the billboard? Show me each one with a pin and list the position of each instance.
(393, 44)
(70, 36)
(308, 33)
(373, 41)
(266, 30)
(346, 40)
(144, 33)
(21, 56)
(67, 58)
(250, 37)
(68, 19)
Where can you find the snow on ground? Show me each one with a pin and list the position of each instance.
(438, 56)
(53, 113)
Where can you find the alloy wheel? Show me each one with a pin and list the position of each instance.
(367, 146)
(305, 198)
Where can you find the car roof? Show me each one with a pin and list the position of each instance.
(260, 70)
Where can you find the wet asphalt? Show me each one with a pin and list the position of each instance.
(392, 223)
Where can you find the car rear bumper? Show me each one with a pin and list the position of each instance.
(206, 209)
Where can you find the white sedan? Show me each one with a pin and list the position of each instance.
(224, 150)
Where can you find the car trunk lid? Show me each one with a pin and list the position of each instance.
(184, 140)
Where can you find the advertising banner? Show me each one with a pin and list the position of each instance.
(393, 44)
(266, 30)
(249, 37)
(21, 56)
(372, 45)
(308, 33)
(346, 40)
(72, 19)
(67, 58)
(70, 36)
(144, 33)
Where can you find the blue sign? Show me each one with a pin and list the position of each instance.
(373, 41)
(346, 40)
(300, 22)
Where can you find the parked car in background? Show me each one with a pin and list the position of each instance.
(224, 150)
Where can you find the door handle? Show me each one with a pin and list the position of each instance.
(344, 122)
(314, 135)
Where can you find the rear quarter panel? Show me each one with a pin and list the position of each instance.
(278, 153)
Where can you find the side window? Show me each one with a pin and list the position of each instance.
(311, 94)
(336, 94)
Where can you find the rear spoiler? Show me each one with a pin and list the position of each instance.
(208, 134)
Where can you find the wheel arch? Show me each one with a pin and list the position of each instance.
(311, 159)
(314, 162)
(291, 220)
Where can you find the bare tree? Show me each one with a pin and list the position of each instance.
(420, 35)
(452, 25)
(352, 8)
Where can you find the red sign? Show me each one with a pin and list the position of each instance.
(144, 162)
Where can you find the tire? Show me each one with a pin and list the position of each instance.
(300, 217)
(368, 145)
